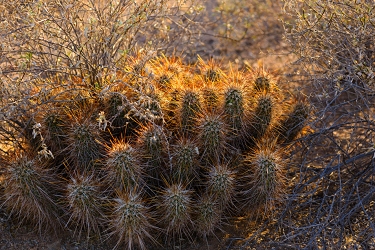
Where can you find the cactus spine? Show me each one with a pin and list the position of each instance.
(184, 157)
(262, 115)
(27, 192)
(266, 175)
(123, 167)
(176, 208)
(212, 137)
(294, 122)
(130, 220)
(190, 108)
(84, 200)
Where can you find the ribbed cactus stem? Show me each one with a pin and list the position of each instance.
(123, 168)
(234, 108)
(221, 184)
(115, 110)
(130, 220)
(210, 99)
(294, 122)
(267, 173)
(83, 144)
(212, 136)
(176, 207)
(184, 157)
(54, 126)
(85, 204)
(265, 181)
(263, 115)
(190, 109)
(208, 215)
(27, 193)
(151, 140)
(212, 75)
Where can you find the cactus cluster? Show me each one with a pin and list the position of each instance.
(162, 147)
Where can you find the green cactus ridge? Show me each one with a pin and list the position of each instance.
(221, 184)
(152, 141)
(212, 136)
(84, 145)
(265, 174)
(267, 167)
(84, 204)
(212, 75)
(210, 99)
(208, 215)
(263, 115)
(294, 122)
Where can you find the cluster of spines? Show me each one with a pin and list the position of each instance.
(184, 160)
(29, 192)
(264, 177)
(122, 167)
(84, 201)
(130, 220)
(161, 152)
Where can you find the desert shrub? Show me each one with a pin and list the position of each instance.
(83, 41)
(335, 40)
(331, 206)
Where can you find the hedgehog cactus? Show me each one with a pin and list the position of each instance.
(190, 109)
(83, 139)
(123, 166)
(234, 108)
(184, 160)
(210, 70)
(85, 200)
(294, 122)
(28, 196)
(115, 111)
(262, 115)
(151, 141)
(171, 110)
(164, 145)
(265, 172)
(130, 220)
(212, 75)
(212, 137)
(221, 184)
(176, 206)
(262, 83)
(208, 215)
(210, 99)
(53, 126)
